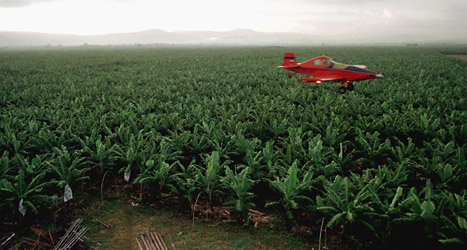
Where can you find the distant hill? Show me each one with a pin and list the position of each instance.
(157, 36)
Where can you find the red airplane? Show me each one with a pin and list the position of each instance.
(323, 68)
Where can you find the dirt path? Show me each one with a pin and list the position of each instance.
(462, 57)
(128, 222)
(125, 225)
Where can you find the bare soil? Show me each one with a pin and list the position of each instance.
(127, 222)
(462, 57)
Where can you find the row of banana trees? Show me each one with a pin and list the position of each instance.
(391, 153)
(376, 197)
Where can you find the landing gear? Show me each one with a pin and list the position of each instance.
(343, 87)
(341, 90)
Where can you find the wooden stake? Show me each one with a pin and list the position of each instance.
(160, 237)
(158, 240)
(154, 242)
(139, 245)
(145, 243)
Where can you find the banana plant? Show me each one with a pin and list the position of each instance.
(197, 142)
(68, 171)
(436, 216)
(45, 140)
(32, 166)
(130, 157)
(4, 165)
(14, 141)
(428, 125)
(168, 151)
(222, 143)
(179, 138)
(101, 153)
(405, 153)
(187, 183)
(210, 181)
(334, 132)
(67, 167)
(291, 189)
(277, 126)
(446, 164)
(453, 220)
(343, 204)
(133, 152)
(388, 206)
(246, 150)
(24, 191)
(315, 151)
(317, 158)
(456, 203)
(240, 184)
(123, 133)
(268, 161)
(418, 210)
(294, 145)
(392, 177)
(344, 157)
(160, 174)
(244, 146)
(371, 146)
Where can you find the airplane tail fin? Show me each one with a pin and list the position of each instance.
(289, 60)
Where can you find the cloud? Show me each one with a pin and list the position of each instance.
(425, 18)
(20, 3)
(24, 3)
(387, 14)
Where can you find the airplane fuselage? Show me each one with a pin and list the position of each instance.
(323, 68)
(352, 74)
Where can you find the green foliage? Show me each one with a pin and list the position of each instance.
(210, 180)
(160, 174)
(67, 167)
(240, 184)
(291, 189)
(101, 153)
(371, 145)
(187, 182)
(24, 187)
(344, 203)
(4, 165)
(177, 118)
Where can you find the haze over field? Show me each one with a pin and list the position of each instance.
(274, 21)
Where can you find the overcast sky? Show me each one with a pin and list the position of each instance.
(429, 19)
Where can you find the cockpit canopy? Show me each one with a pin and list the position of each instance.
(320, 61)
(326, 62)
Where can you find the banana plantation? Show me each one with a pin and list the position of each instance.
(378, 166)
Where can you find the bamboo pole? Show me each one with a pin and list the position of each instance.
(152, 241)
(139, 245)
(145, 243)
(160, 237)
(158, 241)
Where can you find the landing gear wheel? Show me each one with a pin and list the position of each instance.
(342, 90)
(350, 86)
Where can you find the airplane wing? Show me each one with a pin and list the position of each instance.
(321, 79)
(361, 66)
